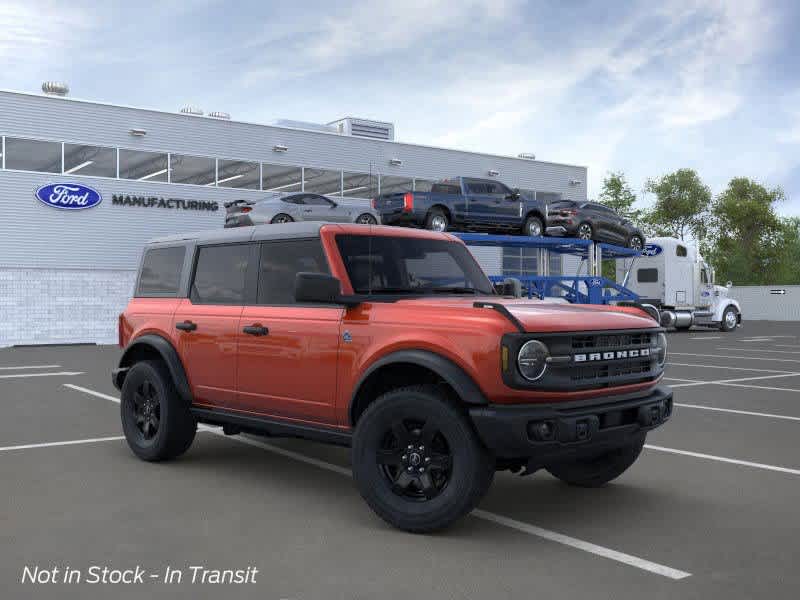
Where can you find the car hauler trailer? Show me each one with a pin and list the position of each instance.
(673, 276)
(589, 288)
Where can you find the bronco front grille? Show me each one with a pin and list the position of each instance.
(581, 361)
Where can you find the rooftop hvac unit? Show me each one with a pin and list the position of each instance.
(55, 88)
(192, 110)
(375, 130)
(217, 114)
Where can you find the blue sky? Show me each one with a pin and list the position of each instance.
(644, 87)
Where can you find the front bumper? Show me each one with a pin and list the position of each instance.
(573, 430)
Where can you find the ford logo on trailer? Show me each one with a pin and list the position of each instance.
(68, 196)
(652, 250)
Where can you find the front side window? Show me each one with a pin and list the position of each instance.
(401, 265)
(33, 155)
(280, 264)
(220, 274)
(161, 272)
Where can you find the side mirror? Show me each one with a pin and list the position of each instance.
(317, 287)
(729, 285)
(514, 195)
(511, 286)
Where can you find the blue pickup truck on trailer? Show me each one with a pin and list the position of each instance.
(466, 204)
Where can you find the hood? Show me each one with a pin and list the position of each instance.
(540, 316)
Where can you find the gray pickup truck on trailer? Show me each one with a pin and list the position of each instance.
(465, 203)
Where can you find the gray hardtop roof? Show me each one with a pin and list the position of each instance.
(277, 231)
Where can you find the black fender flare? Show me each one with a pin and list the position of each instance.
(169, 355)
(461, 382)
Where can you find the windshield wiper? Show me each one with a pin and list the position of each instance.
(452, 290)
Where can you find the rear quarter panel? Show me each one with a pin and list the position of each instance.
(148, 315)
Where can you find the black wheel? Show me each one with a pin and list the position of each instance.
(437, 220)
(417, 461)
(635, 242)
(533, 227)
(730, 319)
(597, 471)
(156, 421)
(585, 231)
(366, 219)
(282, 218)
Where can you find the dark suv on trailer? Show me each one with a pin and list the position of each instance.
(391, 341)
(593, 221)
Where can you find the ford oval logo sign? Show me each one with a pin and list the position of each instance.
(68, 196)
(652, 250)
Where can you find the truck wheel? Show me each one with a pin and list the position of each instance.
(417, 461)
(156, 421)
(585, 231)
(437, 220)
(595, 472)
(533, 227)
(730, 319)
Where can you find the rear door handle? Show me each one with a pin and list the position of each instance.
(255, 330)
(186, 326)
(308, 210)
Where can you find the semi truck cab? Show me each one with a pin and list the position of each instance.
(674, 277)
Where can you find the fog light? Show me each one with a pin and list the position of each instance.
(543, 430)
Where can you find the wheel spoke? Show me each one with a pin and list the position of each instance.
(154, 422)
(427, 434)
(400, 485)
(440, 462)
(401, 433)
(390, 457)
(427, 486)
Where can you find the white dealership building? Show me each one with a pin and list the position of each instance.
(65, 275)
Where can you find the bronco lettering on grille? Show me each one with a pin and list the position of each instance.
(617, 354)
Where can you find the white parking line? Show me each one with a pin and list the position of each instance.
(552, 536)
(733, 461)
(792, 360)
(30, 367)
(739, 412)
(60, 373)
(786, 345)
(764, 350)
(694, 382)
(704, 337)
(67, 443)
(673, 364)
(762, 387)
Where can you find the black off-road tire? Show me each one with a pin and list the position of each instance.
(419, 410)
(598, 471)
(432, 219)
(176, 425)
(533, 223)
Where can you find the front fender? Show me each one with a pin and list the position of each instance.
(723, 304)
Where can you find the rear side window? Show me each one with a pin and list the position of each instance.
(220, 274)
(445, 188)
(280, 264)
(647, 275)
(680, 251)
(161, 272)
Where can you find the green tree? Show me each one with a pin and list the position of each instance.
(681, 207)
(749, 240)
(618, 195)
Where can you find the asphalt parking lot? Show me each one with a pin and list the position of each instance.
(711, 509)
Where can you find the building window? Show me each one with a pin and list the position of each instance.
(33, 155)
(194, 170)
(520, 262)
(238, 174)
(360, 185)
(144, 166)
(394, 185)
(280, 178)
(90, 160)
(323, 181)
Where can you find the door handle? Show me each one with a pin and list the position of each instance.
(255, 330)
(186, 326)
(308, 210)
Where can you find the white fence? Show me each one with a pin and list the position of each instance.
(768, 302)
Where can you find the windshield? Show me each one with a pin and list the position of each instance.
(406, 265)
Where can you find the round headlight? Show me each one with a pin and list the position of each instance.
(661, 349)
(532, 360)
